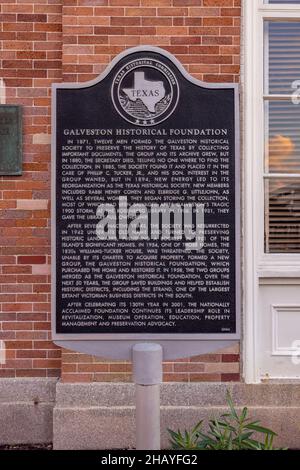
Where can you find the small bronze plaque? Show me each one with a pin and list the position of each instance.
(10, 140)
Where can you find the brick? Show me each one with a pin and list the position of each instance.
(158, 3)
(31, 259)
(31, 373)
(217, 21)
(53, 372)
(54, 27)
(7, 204)
(173, 30)
(141, 12)
(189, 367)
(205, 377)
(46, 363)
(42, 326)
(230, 377)
(32, 18)
(77, 377)
(19, 363)
(217, 40)
(17, 307)
(218, 3)
(41, 138)
(96, 39)
(230, 358)
(7, 298)
(43, 344)
(93, 367)
(17, 325)
(67, 368)
(33, 316)
(123, 21)
(222, 367)
(31, 354)
(44, 8)
(99, 377)
(41, 288)
(203, 49)
(175, 377)
(56, 353)
(207, 358)
(8, 17)
(41, 269)
(78, 11)
(185, 40)
(8, 316)
(111, 12)
(187, 3)
(124, 3)
(172, 12)
(141, 31)
(16, 8)
(41, 307)
(112, 30)
(202, 11)
(120, 367)
(18, 344)
(31, 297)
(153, 21)
(76, 357)
(16, 269)
(7, 373)
(32, 204)
(7, 260)
(16, 288)
(7, 335)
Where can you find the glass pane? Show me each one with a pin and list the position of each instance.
(282, 215)
(282, 56)
(282, 153)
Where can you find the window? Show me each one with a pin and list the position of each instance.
(271, 176)
(282, 131)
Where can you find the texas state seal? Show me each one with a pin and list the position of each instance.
(145, 92)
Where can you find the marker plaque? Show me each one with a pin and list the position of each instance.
(138, 153)
(10, 140)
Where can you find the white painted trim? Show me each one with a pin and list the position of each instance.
(280, 9)
(281, 175)
(275, 311)
(273, 13)
(256, 263)
(250, 220)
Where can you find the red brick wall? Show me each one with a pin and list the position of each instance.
(30, 45)
(45, 41)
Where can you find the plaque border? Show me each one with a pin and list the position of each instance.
(175, 345)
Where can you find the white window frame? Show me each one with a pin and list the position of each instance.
(257, 264)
